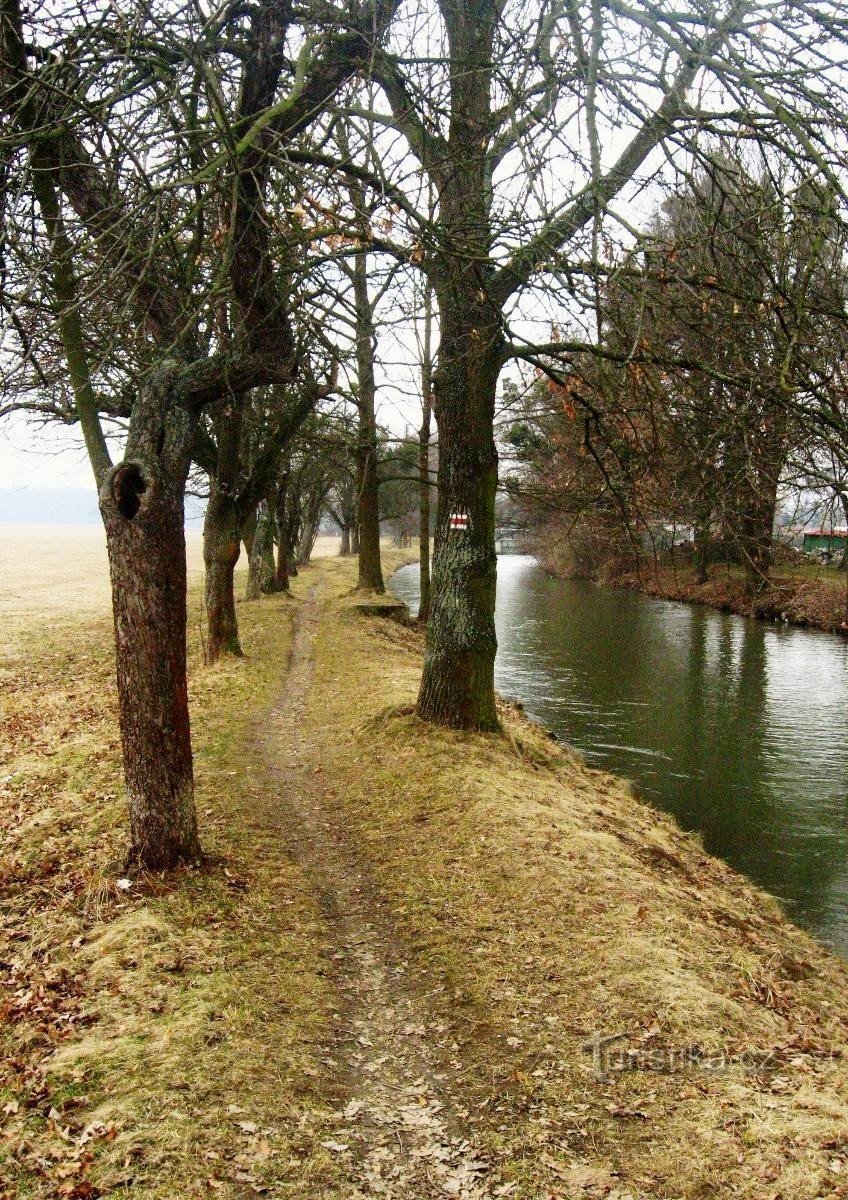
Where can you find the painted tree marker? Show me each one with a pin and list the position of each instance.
(459, 521)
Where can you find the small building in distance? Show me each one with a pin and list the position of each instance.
(825, 541)
(507, 539)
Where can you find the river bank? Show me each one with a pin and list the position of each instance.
(394, 972)
(807, 597)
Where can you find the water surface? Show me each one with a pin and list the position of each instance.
(737, 727)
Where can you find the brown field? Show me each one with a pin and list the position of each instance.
(50, 569)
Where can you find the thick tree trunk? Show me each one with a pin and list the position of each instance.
(344, 544)
(141, 502)
(261, 566)
(457, 686)
(354, 539)
(221, 545)
(756, 532)
(757, 544)
(307, 543)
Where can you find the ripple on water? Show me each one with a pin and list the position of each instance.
(738, 728)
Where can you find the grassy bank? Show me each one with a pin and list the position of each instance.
(160, 1036)
(798, 593)
(176, 1038)
(811, 597)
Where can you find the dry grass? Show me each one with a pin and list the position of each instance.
(53, 570)
(169, 1040)
(541, 904)
(805, 596)
(159, 1041)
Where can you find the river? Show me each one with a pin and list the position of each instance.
(737, 727)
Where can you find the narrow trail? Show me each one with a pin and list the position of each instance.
(400, 1133)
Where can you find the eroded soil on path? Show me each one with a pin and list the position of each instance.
(399, 1128)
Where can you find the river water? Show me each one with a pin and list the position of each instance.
(738, 728)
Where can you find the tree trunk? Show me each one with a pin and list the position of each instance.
(354, 539)
(368, 505)
(756, 532)
(262, 547)
(424, 460)
(702, 552)
(344, 545)
(309, 532)
(757, 548)
(281, 578)
(248, 532)
(457, 687)
(221, 545)
(141, 502)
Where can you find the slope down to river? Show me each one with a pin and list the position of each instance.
(394, 974)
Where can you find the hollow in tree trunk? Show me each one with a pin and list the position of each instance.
(141, 502)
(457, 687)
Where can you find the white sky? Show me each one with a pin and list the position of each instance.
(42, 459)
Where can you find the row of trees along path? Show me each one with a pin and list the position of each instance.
(151, 156)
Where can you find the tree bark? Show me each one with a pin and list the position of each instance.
(344, 545)
(756, 538)
(702, 552)
(368, 506)
(141, 502)
(281, 578)
(260, 572)
(308, 535)
(457, 687)
(221, 546)
(424, 459)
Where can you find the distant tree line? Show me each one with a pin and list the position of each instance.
(718, 384)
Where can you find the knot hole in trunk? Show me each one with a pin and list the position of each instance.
(128, 486)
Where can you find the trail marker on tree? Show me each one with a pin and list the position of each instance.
(459, 521)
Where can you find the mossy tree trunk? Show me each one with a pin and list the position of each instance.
(457, 687)
(261, 565)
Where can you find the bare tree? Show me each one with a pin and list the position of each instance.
(96, 118)
(531, 122)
